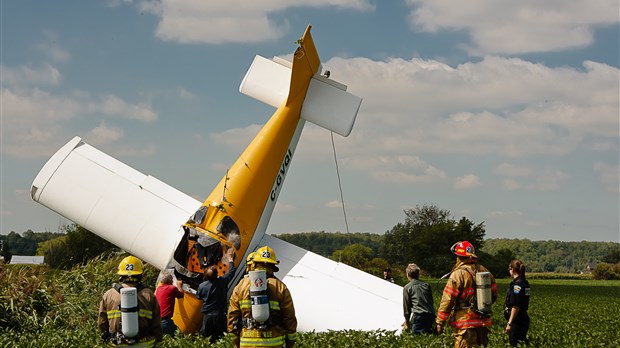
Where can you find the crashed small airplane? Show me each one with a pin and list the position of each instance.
(176, 233)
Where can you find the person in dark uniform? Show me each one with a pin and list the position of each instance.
(517, 303)
(215, 302)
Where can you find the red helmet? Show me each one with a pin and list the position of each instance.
(464, 248)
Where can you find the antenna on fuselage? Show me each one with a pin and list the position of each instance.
(225, 188)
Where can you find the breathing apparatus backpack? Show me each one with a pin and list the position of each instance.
(129, 315)
(259, 299)
(482, 301)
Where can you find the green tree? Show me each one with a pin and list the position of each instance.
(426, 236)
(55, 251)
(326, 243)
(4, 251)
(19, 245)
(498, 263)
(77, 246)
(613, 256)
(605, 271)
(355, 255)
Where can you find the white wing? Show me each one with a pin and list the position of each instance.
(133, 211)
(333, 296)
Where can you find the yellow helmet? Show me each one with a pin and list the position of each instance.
(249, 261)
(130, 266)
(265, 255)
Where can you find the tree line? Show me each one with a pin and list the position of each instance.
(424, 237)
(428, 232)
(71, 246)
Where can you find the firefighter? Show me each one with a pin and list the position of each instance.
(148, 311)
(280, 329)
(458, 303)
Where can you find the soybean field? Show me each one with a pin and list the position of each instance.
(40, 307)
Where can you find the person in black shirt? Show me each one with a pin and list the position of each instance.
(215, 302)
(516, 304)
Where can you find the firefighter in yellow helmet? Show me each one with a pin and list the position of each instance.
(279, 329)
(249, 263)
(110, 312)
(458, 302)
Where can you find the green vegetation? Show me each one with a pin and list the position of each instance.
(427, 234)
(556, 256)
(40, 307)
(72, 246)
(424, 237)
(56, 305)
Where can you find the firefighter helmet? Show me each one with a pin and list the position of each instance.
(265, 255)
(249, 261)
(130, 266)
(463, 249)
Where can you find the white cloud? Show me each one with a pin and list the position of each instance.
(507, 107)
(238, 21)
(510, 185)
(36, 122)
(608, 175)
(333, 204)
(466, 182)
(103, 134)
(113, 105)
(397, 169)
(513, 27)
(236, 138)
(186, 95)
(28, 76)
(284, 208)
(529, 178)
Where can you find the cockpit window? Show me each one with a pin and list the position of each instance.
(229, 228)
(199, 215)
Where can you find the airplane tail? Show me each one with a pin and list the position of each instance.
(327, 102)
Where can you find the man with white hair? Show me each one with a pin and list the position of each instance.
(417, 303)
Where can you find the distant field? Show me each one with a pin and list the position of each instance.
(41, 308)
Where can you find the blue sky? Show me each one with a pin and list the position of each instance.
(501, 111)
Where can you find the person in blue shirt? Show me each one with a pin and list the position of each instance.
(212, 292)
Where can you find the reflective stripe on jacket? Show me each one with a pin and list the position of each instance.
(456, 301)
(283, 328)
(149, 322)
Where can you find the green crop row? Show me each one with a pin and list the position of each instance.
(46, 308)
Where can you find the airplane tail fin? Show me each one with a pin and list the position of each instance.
(327, 102)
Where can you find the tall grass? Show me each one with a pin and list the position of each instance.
(41, 307)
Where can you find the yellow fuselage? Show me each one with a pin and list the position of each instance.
(253, 181)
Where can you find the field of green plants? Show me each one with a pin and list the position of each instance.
(46, 308)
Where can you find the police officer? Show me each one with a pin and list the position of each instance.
(280, 329)
(149, 323)
(517, 303)
(471, 328)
